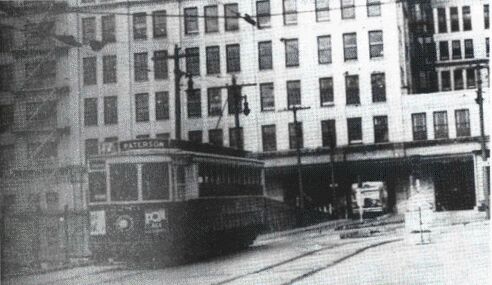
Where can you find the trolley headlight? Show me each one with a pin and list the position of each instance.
(124, 223)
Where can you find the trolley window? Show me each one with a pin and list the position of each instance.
(123, 180)
(97, 186)
(155, 181)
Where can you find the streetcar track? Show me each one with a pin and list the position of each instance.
(281, 263)
(337, 261)
(81, 275)
(312, 272)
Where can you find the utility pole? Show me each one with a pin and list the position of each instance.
(333, 185)
(294, 110)
(483, 144)
(235, 90)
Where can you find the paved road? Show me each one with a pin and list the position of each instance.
(314, 258)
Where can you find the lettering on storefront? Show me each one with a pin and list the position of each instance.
(144, 144)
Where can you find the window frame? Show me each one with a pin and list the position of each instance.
(263, 18)
(357, 137)
(233, 60)
(378, 96)
(212, 105)
(462, 131)
(456, 49)
(212, 67)
(372, 4)
(110, 70)
(328, 133)
(441, 129)
(290, 16)
(142, 112)
(292, 51)
(352, 92)
(161, 67)
(141, 66)
(293, 93)
(194, 104)
(108, 28)
(110, 110)
(381, 129)
(467, 21)
(469, 49)
(448, 78)
(327, 50)
(264, 96)
(265, 56)
(159, 24)
(326, 91)
(442, 26)
(322, 13)
(193, 61)
(162, 105)
(191, 26)
(347, 10)
(210, 19)
(269, 137)
(88, 29)
(90, 112)
(454, 19)
(347, 46)
(89, 70)
(139, 22)
(444, 46)
(379, 45)
(470, 78)
(231, 18)
(293, 138)
(459, 82)
(419, 131)
(216, 134)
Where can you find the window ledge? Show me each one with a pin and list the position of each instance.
(328, 105)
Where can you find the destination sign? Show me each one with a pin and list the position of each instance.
(144, 144)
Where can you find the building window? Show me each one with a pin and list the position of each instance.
(231, 12)
(269, 137)
(467, 24)
(216, 137)
(231, 102)
(88, 30)
(376, 47)
(109, 69)
(263, 16)
(350, 46)
(191, 20)
(352, 89)
(41, 111)
(91, 147)
(6, 117)
(163, 136)
(419, 126)
(443, 50)
(233, 58)
(265, 55)
(470, 78)
(458, 79)
(90, 71)
(211, 19)
(324, 49)
(141, 67)
(373, 8)
(214, 101)
(462, 123)
(445, 80)
(142, 107)
(90, 112)
(110, 110)
(348, 9)
(469, 53)
(296, 136)
(162, 105)
(354, 126)
(381, 129)
(455, 23)
(441, 125)
(456, 48)
(159, 21)
(160, 65)
(213, 60)
(322, 10)
(487, 47)
(328, 133)
(291, 52)
(139, 26)
(267, 97)
(233, 137)
(326, 91)
(378, 87)
(290, 12)
(195, 136)
(193, 61)
(441, 20)
(194, 103)
(108, 29)
(486, 16)
(293, 93)
(6, 77)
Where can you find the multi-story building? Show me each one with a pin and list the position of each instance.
(381, 91)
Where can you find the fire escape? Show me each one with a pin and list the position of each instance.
(38, 97)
